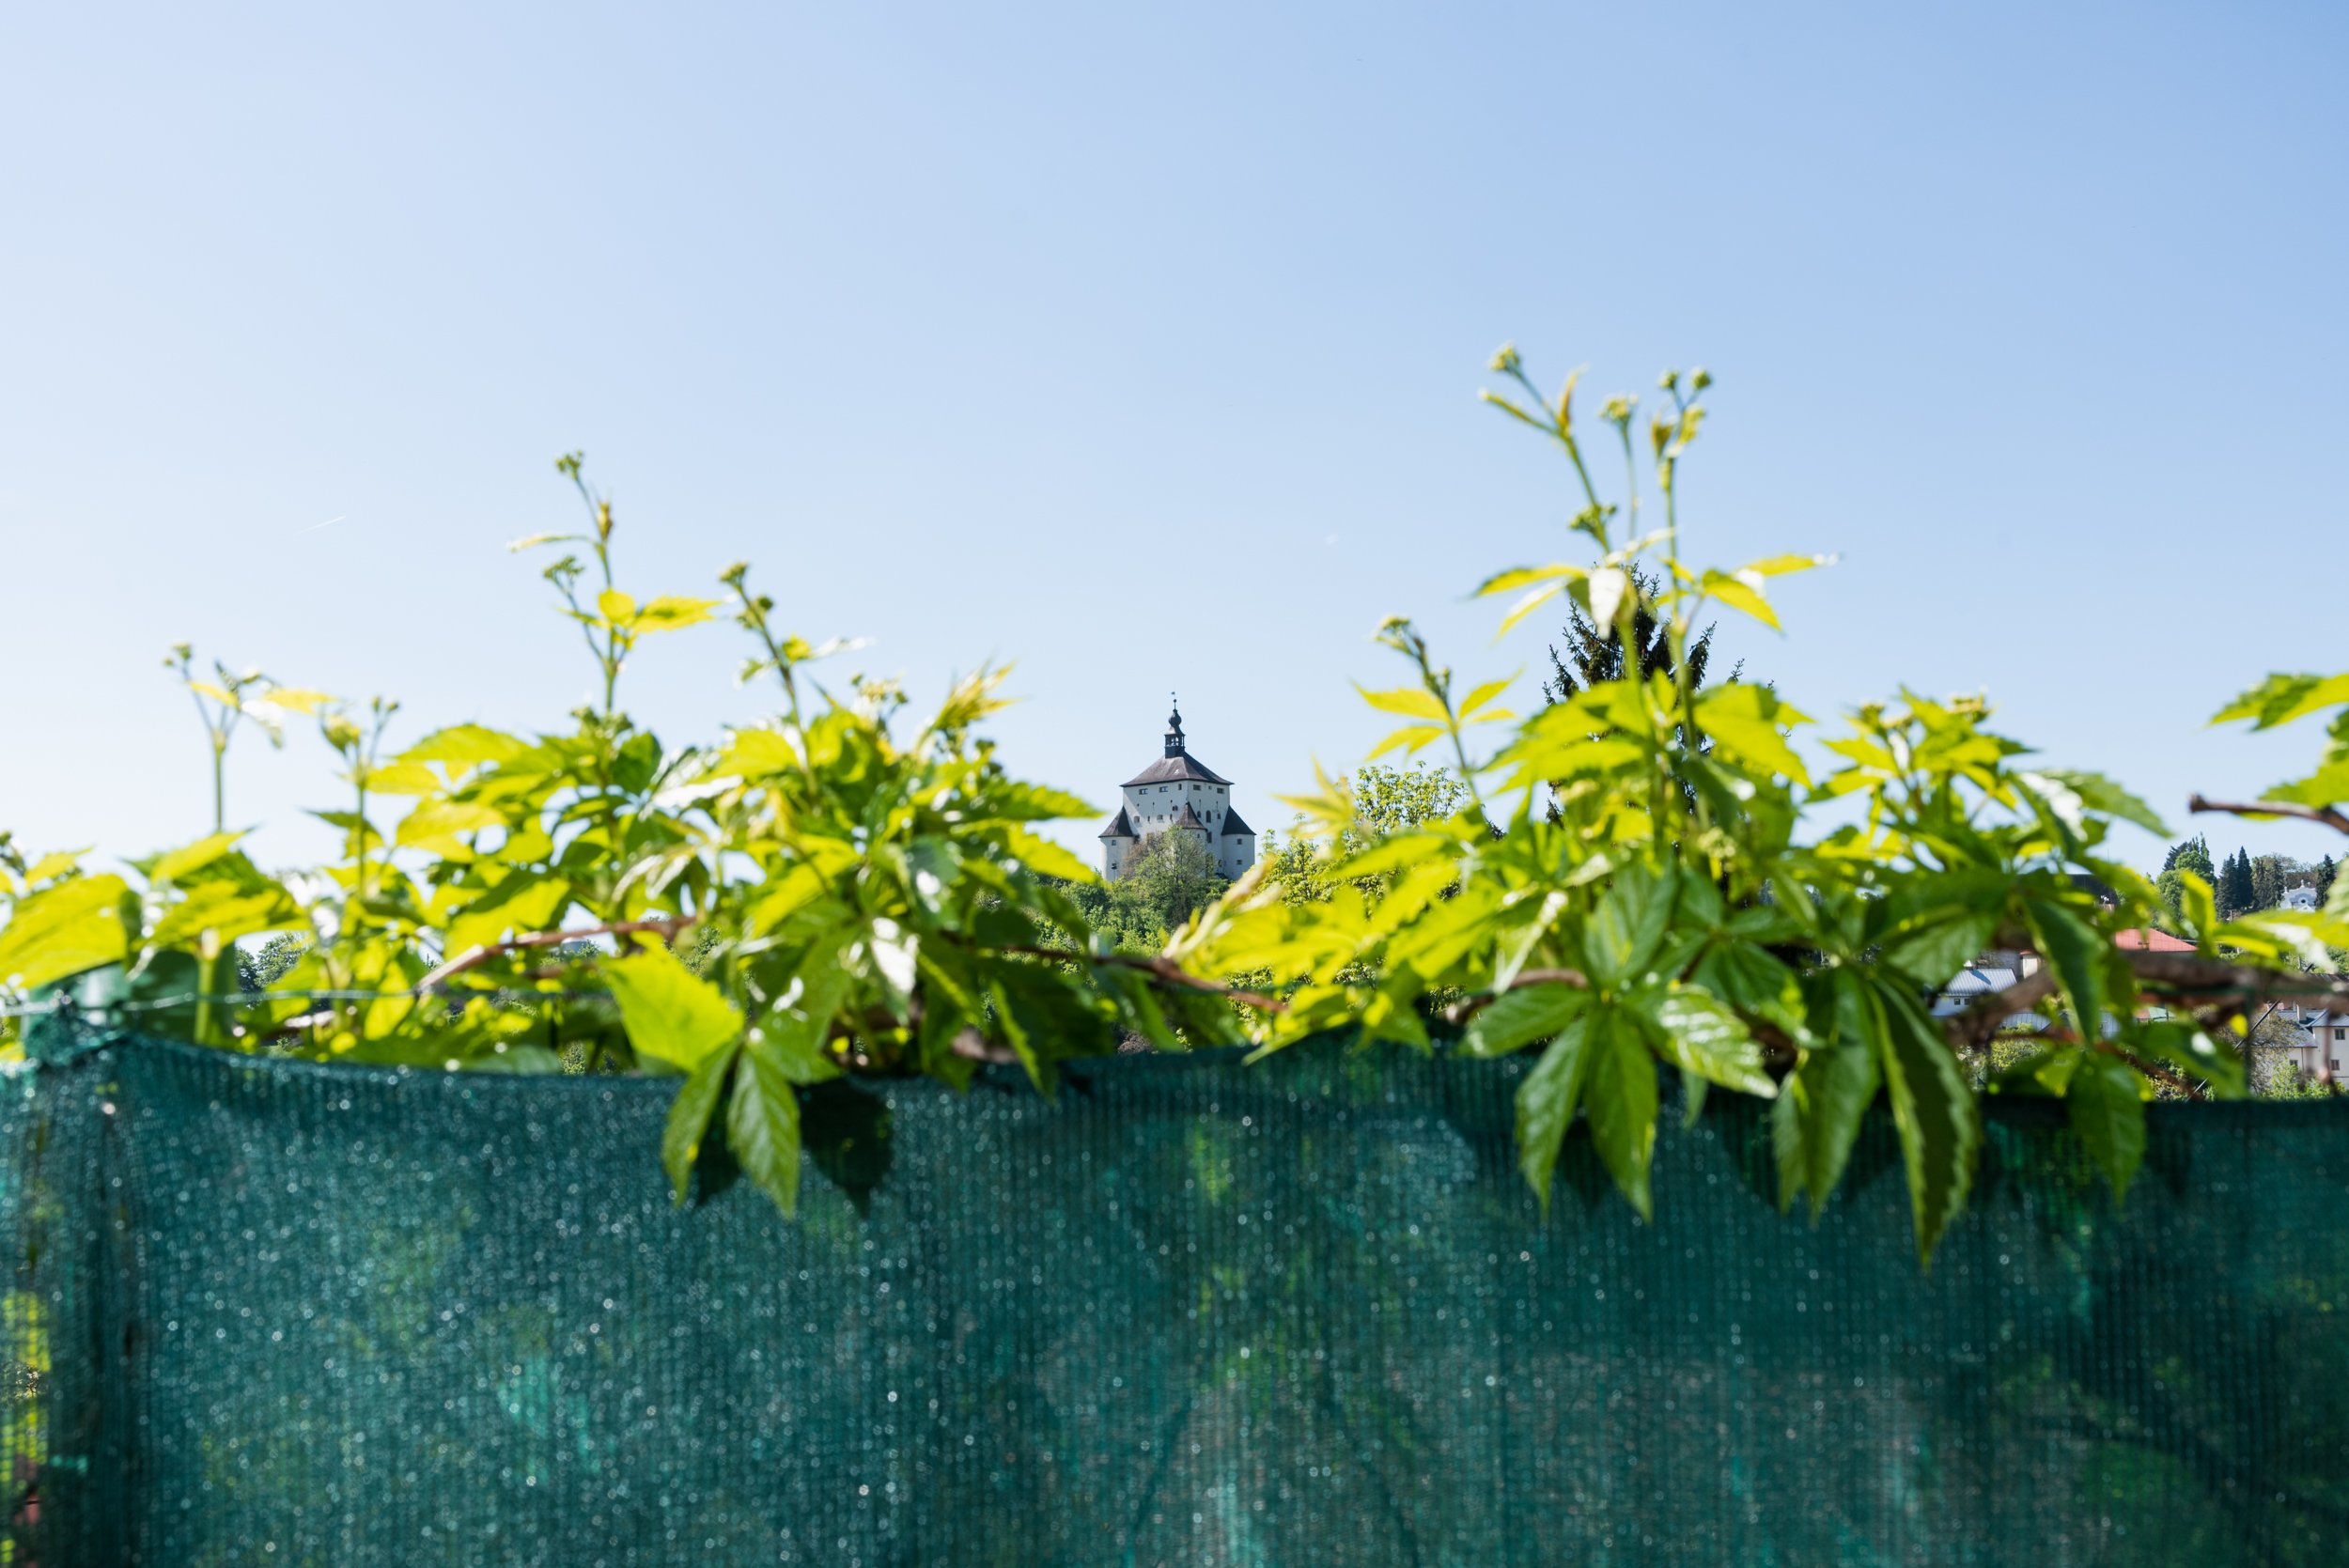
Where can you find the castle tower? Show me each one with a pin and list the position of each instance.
(1178, 794)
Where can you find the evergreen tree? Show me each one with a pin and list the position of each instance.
(2325, 869)
(1593, 655)
(2235, 886)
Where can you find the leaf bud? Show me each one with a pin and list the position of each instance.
(1669, 381)
(1618, 409)
(1700, 378)
(732, 577)
(1506, 361)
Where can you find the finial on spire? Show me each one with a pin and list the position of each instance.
(1175, 727)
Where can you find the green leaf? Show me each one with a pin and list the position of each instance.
(1519, 1017)
(401, 778)
(763, 1124)
(1484, 695)
(1040, 854)
(1817, 1119)
(754, 754)
(177, 863)
(1623, 932)
(1411, 737)
(1755, 982)
(671, 1014)
(2107, 1112)
(463, 746)
(2076, 954)
(1778, 565)
(1747, 723)
(434, 825)
(63, 930)
(1701, 1036)
(227, 909)
(523, 901)
(1742, 595)
(2280, 699)
(2101, 794)
(615, 607)
(1619, 1097)
(669, 613)
(1546, 1103)
(2186, 1046)
(55, 863)
(689, 1115)
(1932, 950)
(1412, 701)
(1933, 1109)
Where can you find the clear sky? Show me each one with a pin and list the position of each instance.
(1138, 346)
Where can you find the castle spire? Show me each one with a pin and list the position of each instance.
(1175, 727)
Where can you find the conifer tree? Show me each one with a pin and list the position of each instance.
(2234, 891)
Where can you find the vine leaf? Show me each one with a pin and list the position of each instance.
(2109, 1114)
(1933, 1109)
(1546, 1103)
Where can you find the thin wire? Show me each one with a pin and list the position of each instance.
(62, 1003)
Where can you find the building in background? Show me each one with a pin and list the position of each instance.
(1178, 794)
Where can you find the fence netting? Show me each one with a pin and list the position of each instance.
(1190, 1312)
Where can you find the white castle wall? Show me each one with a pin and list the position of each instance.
(1154, 809)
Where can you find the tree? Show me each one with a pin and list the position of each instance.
(2237, 894)
(1381, 801)
(2268, 881)
(1170, 877)
(2192, 855)
(2325, 869)
(1594, 656)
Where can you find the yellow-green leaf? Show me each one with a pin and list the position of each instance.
(435, 825)
(1740, 595)
(402, 778)
(672, 1015)
(1412, 701)
(463, 746)
(1041, 854)
(669, 613)
(193, 857)
(63, 930)
(1778, 565)
(1746, 722)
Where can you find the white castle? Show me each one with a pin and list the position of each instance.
(1176, 793)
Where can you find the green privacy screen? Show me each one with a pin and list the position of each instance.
(1194, 1313)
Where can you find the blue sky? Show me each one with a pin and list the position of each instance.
(1140, 348)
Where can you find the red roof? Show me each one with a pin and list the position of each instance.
(2151, 940)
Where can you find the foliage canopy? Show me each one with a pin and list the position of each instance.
(1629, 881)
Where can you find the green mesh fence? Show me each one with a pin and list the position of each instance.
(1193, 1312)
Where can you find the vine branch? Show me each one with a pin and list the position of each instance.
(473, 957)
(2330, 816)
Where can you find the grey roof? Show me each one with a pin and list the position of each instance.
(1181, 767)
(1121, 826)
(1189, 818)
(1231, 824)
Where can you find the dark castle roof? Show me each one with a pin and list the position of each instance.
(1190, 819)
(1121, 826)
(1231, 824)
(1180, 768)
